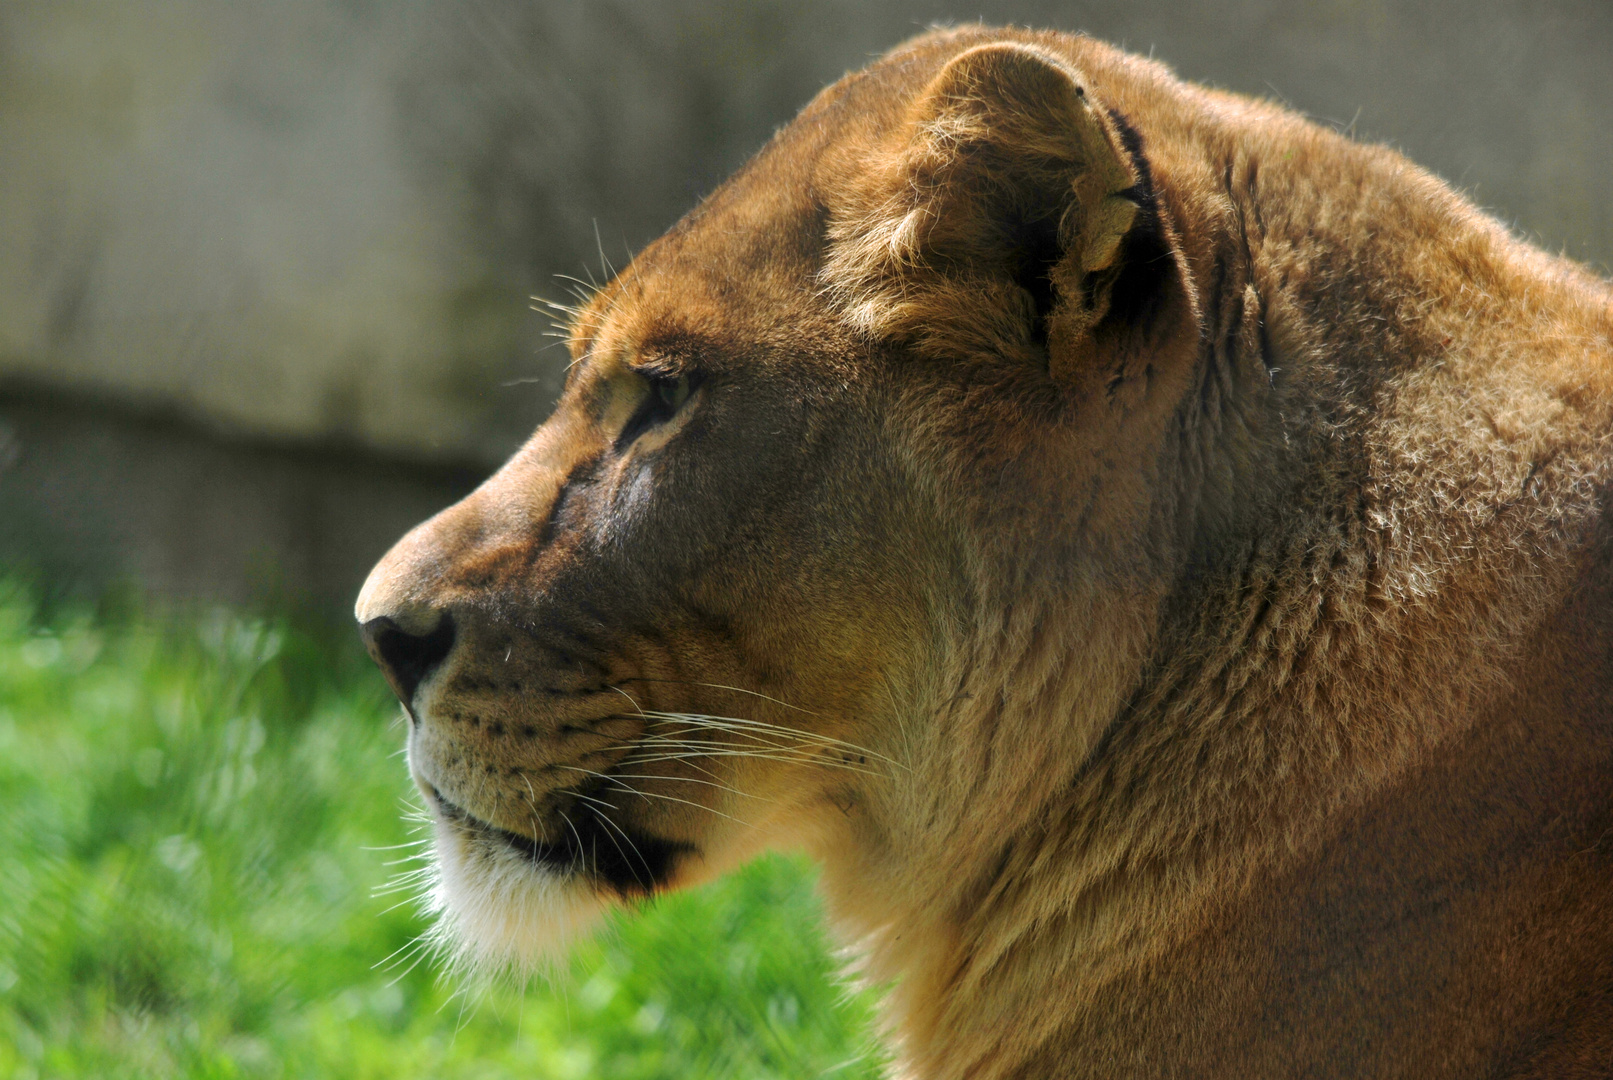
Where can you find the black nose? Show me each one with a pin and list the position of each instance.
(406, 659)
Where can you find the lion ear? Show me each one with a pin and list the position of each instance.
(999, 223)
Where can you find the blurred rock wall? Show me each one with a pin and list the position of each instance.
(321, 220)
(93, 499)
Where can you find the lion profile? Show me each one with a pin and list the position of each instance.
(1149, 549)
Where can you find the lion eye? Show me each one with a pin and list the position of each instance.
(673, 393)
(667, 395)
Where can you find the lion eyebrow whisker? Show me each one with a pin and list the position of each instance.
(581, 288)
(570, 311)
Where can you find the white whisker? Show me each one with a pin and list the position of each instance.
(646, 795)
(758, 756)
(689, 780)
(735, 725)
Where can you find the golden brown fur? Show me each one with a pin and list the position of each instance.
(1150, 549)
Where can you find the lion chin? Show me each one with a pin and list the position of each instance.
(1154, 553)
(496, 907)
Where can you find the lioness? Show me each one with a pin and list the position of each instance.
(1150, 549)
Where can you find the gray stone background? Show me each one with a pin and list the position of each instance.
(265, 273)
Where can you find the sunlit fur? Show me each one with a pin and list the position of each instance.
(1151, 550)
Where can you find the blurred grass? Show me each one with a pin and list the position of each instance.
(191, 818)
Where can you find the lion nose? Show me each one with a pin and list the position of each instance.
(407, 659)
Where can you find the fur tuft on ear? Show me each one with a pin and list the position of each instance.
(996, 222)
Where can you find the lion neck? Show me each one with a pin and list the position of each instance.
(1320, 635)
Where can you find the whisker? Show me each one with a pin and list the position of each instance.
(394, 847)
(721, 686)
(604, 264)
(701, 768)
(689, 780)
(636, 706)
(803, 751)
(603, 776)
(754, 739)
(596, 801)
(603, 820)
(736, 725)
(571, 311)
(644, 795)
(401, 903)
(404, 949)
(412, 885)
(572, 826)
(667, 742)
(844, 766)
(426, 950)
(583, 290)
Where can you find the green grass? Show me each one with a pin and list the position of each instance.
(193, 814)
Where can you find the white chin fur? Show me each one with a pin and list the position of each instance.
(497, 911)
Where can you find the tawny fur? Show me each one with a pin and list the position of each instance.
(1175, 534)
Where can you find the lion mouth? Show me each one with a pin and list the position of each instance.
(629, 862)
(562, 857)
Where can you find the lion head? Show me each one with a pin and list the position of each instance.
(985, 491)
(860, 451)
